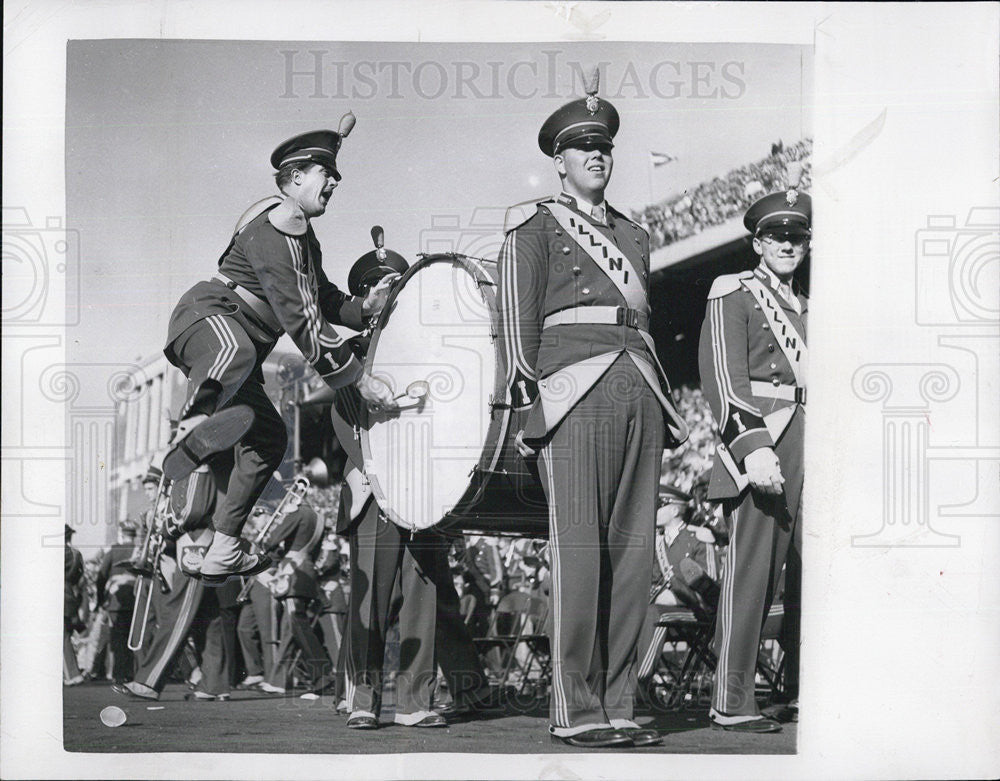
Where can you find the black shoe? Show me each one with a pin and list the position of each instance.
(759, 726)
(643, 737)
(216, 433)
(601, 737)
(362, 721)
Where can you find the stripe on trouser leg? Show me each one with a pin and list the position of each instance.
(177, 635)
(726, 615)
(560, 701)
(652, 653)
(226, 338)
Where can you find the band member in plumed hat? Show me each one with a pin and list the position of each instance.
(752, 358)
(373, 266)
(269, 281)
(591, 399)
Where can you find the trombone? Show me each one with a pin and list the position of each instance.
(146, 564)
(290, 502)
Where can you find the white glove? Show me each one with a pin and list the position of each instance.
(523, 448)
(376, 393)
(374, 302)
(764, 471)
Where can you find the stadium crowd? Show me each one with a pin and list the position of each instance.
(717, 200)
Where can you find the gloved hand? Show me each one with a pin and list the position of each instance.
(764, 471)
(374, 302)
(376, 393)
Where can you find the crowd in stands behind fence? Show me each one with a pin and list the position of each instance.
(715, 201)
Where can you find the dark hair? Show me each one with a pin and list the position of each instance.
(284, 174)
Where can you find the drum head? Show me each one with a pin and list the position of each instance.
(436, 339)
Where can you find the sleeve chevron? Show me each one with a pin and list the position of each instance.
(725, 376)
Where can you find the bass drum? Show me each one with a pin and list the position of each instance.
(447, 458)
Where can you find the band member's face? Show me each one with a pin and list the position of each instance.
(782, 251)
(150, 491)
(586, 167)
(316, 186)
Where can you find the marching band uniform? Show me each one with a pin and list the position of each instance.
(116, 584)
(752, 357)
(382, 554)
(296, 586)
(255, 631)
(575, 329)
(189, 607)
(269, 282)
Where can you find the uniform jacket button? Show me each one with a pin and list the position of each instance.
(774, 366)
(766, 327)
(770, 348)
(756, 306)
(775, 381)
(585, 291)
(565, 250)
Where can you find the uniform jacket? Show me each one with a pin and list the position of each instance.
(114, 581)
(740, 344)
(301, 534)
(287, 272)
(543, 270)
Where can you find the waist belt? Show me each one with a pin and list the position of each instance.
(599, 315)
(257, 305)
(767, 390)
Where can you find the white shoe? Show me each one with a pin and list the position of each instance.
(76, 680)
(252, 680)
(225, 559)
(264, 686)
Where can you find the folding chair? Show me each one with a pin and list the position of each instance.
(517, 630)
(679, 661)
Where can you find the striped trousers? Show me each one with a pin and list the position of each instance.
(600, 470)
(219, 348)
(766, 536)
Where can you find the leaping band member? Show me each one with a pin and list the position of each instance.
(270, 281)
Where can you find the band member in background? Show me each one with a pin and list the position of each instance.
(382, 555)
(74, 602)
(270, 281)
(188, 607)
(299, 532)
(255, 626)
(752, 357)
(116, 593)
(575, 312)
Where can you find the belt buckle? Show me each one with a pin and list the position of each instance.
(800, 395)
(628, 317)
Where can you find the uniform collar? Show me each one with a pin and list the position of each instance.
(767, 276)
(586, 208)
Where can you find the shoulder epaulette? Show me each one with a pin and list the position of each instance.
(255, 210)
(728, 283)
(537, 204)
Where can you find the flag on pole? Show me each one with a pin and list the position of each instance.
(660, 158)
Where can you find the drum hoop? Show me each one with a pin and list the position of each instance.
(498, 426)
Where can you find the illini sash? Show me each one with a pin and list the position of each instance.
(604, 253)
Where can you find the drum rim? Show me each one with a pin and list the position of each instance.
(490, 454)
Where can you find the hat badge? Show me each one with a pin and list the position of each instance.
(593, 104)
(791, 197)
